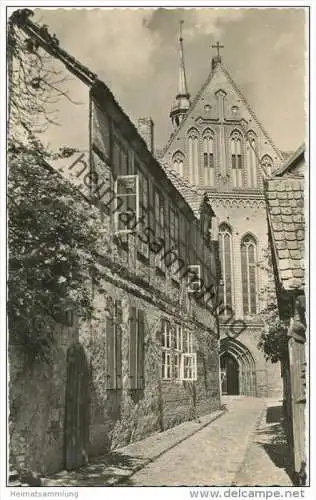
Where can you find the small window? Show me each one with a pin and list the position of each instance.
(189, 371)
(188, 359)
(127, 203)
(178, 348)
(267, 164)
(178, 160)
(194, 278)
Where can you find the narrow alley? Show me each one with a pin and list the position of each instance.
(242, 446)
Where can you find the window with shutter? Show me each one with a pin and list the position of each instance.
(118, 343)
(132, 358)
(110, 346)
(114, 346)
(140, 349)
(136, 348)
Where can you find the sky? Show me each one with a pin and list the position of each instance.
(135, 52)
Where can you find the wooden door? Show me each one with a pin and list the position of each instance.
(77, 408)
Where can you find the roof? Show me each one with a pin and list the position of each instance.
(285, 207)
(286, 154)
(291, 161)
(191, 195)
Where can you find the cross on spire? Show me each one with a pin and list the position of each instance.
(218, 46)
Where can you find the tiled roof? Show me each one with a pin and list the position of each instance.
(286, 154)
(291, 161)
(285, 205)
(192, 195)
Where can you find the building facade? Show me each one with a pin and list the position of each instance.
(149, 358)
(219, 146)
(285, 203)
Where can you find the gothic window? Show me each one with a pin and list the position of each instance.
(208, 158)
(249, 274)
(267, 163)
(252, 159)
(236, 158)
(177, 160)
(225, 252)
(193, 148)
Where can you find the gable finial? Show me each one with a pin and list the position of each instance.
(218, 58)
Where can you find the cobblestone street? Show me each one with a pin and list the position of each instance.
(212, 456)
(242, 446)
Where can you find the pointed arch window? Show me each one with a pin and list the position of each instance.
(208, 158)
(249, 274)
(252, 159)
(236, 158)
(193, 150)
(225, 252)
(267, 163)
(178, 160)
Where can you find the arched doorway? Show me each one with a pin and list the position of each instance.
(238, 371)
(230, 374)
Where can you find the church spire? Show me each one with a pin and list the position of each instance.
(182, 101)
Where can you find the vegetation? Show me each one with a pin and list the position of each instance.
(273, 340)
(52, 231)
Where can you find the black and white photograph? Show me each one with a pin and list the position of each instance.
(155, 270)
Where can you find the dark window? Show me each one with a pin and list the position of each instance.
(225, 250)
(249, 275)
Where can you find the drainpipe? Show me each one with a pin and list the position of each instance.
(219, 372)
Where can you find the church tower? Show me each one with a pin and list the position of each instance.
(220, 147)
(182, 100)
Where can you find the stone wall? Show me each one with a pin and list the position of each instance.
(116, 416)
(37, 406)
(119, 416)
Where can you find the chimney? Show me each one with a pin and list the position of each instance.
(146, 129)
